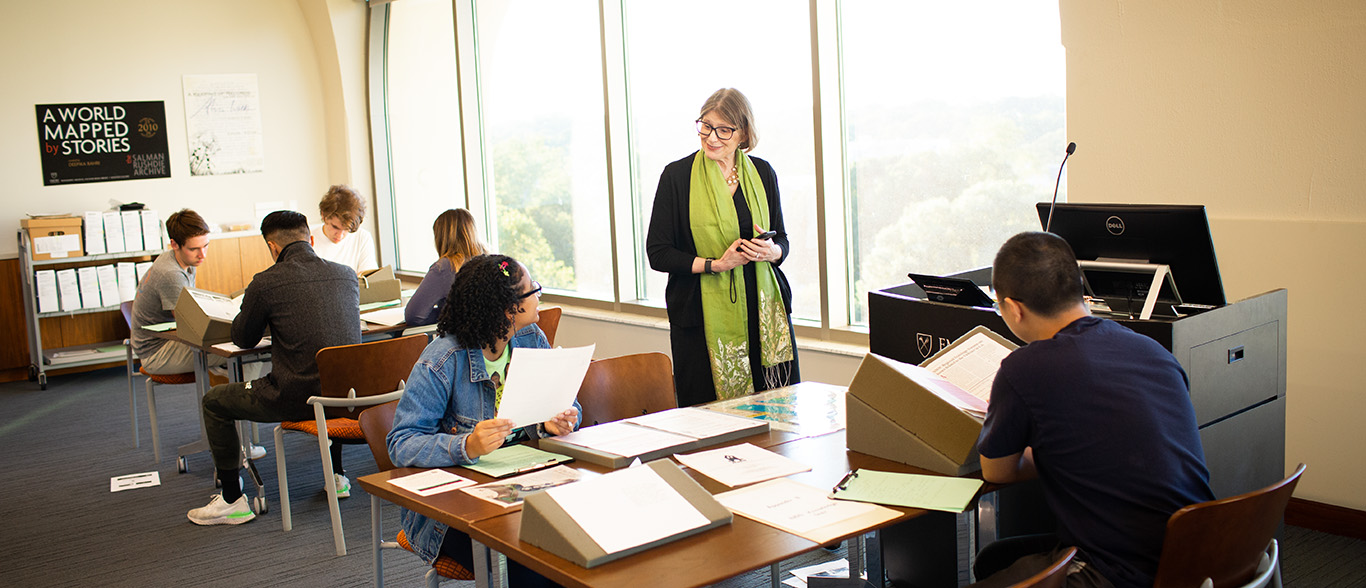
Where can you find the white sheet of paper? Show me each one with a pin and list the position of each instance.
(741, 464)
(231, 347)
(151, 229)
(141, 269)
(386, 316)
(46, 282)
(109, 285)
(627, 508)
(972, 364)
(693, 422)
(57, 246)
(126, 273)
(113, 232)
(216, 305)
(619, 438)
(132, 230)
(130, 481)
(94, 233)
(431, 482)
(792, 506)
(89, 279)
(542, 383)
(69, 289)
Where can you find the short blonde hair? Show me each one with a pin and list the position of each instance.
(345, 203)
(731, 105)
(456, 237)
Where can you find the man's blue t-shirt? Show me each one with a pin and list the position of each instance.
(1109, 416)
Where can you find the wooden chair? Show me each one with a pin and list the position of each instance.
(550, 322)
(627, 386)
(1224, 542)
(375, 423)
(1054, 576)
(350, 376)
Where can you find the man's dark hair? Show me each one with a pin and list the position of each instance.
(482, 296)
(1038, 270)
(185, 225)
(283, 227)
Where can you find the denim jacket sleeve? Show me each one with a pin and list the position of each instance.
(427, 427)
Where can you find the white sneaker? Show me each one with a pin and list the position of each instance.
(257, 452)
(219, 512)
(343, 485)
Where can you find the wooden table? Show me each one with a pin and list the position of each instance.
(699, 560)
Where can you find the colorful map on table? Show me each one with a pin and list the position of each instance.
(806, 408)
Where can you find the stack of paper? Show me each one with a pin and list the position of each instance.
(804, 511)
(741, 464)
(626, 440)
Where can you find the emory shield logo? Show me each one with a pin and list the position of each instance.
(925, 343)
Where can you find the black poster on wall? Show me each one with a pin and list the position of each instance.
(102, 142)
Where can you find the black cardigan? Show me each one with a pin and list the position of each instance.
(670, 247)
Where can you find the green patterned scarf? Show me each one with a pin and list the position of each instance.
(725, 317)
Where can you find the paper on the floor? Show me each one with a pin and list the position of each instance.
(830, 569)
(431, 482)
(130, 481)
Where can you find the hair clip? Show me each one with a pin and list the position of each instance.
(504, 266)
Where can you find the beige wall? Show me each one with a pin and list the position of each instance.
(1256, 110)
(312, 96)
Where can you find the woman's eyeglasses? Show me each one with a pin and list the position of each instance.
(722, 133)
(535, 290)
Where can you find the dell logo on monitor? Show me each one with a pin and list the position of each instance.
(1115, 225)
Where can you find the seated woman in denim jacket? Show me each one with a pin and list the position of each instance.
(446, 416)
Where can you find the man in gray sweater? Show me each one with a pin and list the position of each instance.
(171, 273)
(308, 303)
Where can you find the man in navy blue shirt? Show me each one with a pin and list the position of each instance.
(1100, 414)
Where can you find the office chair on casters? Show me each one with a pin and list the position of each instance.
(628, 386)
(1227, 542)
(375, 423)
(350, 377)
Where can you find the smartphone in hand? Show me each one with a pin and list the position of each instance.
(766, 235)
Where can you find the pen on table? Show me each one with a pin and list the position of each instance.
(536, 466)
(440, 484)
(844, 482)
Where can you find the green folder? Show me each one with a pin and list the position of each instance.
(516, 459)
(159, 327)
(380, 304)
(908, 490)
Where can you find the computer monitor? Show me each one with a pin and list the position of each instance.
(1170, 234)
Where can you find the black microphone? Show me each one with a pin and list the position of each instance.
(1071, 147)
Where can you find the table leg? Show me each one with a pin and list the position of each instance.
(376, 535)
(872, 556)
(201, 385)
(856, 561)
(488, 566)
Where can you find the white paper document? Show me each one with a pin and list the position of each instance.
(151, 229)
(216, 305)
(109, 285)
(46, 284)
(802, 510)
(94, 233)
(694, 422)
(231, 347)
(89, 279)
(971, 364)
(510, 492)
(624, 439)
(741, 464)
(542, 383)
(132, 230)
(130, 481)
(141, 269)
(126, 273)
(386, 316)
(113, 232)
(57, 246)
(431, 482)
(69, 290)
(627, 508)
(830, 569)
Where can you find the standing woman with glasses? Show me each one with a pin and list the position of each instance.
(717, 230)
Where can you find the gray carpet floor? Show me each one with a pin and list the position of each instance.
(62, 526)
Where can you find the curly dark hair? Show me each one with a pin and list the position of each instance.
(484, 293)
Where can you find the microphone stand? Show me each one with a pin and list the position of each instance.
(1071, 147)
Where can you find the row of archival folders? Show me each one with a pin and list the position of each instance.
(117, 232)
(96, 286)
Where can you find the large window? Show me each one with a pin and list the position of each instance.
(907, 135)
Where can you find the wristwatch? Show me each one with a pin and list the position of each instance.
(706, 266)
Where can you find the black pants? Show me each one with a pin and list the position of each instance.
(458, 547)
(1014, 559)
